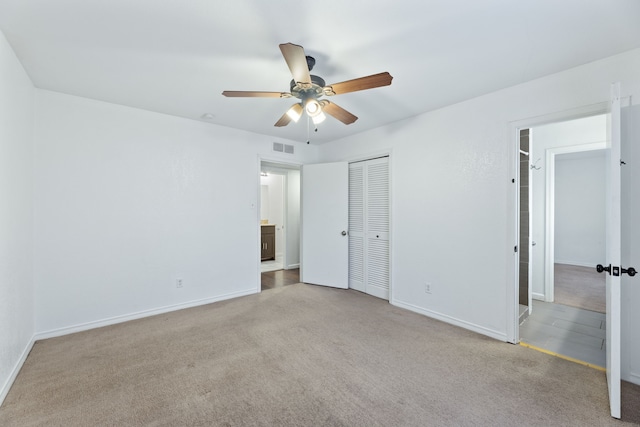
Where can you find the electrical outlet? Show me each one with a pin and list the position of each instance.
(427, 287)
(178, 283)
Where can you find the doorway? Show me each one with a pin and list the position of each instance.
(566, 166)
(279, 224)
(578, 228)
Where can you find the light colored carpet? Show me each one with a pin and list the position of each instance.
(301, 355)
(581, 287)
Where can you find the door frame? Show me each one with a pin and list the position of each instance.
(549, 215)
(285, 165)
(513, 239)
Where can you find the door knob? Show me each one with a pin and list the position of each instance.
(344, 233)
(630, 271)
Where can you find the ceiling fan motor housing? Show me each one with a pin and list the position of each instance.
(308, 90)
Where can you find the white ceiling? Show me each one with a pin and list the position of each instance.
(176, 57)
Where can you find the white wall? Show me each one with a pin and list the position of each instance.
(129, 200)
(580, 208)
(564, 134)
(453, 201)
(16, 215)
(264, 201)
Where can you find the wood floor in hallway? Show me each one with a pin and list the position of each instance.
(279, 278)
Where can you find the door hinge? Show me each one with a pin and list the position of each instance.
(515, 248)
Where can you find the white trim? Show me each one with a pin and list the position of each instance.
(576, 263)
(258, 207)
(632, 378)
(452, 320)
(549, 215)
(292, 266)
(537, 296)
(16, 370)
(138, 315)
(513, 236)
(549, 221)
(529, 226)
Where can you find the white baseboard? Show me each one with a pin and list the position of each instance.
(502, 336)
(292, 266)
(16, 369)
(632, 378)
(146, 313)
(578, 263)
(537, 296)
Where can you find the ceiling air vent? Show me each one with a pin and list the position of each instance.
(282, 148)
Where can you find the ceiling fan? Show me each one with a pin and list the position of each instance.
(309, 89)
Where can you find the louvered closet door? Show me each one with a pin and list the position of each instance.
(369, 227)
(377, 227)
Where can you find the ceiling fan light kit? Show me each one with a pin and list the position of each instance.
(312, 107)
(309, 89)
(295, 112)
(318, 118)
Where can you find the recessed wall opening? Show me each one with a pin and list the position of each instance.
(279, 222)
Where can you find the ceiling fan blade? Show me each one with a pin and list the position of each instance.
(338, 112)
(283, 121)
(369, 82)
(293, 113)
(297, 62)
(249, 94)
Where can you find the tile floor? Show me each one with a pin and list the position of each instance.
(271, 265)
(573, 332)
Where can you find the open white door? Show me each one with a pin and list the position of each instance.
(325, 217)
(612, 267)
